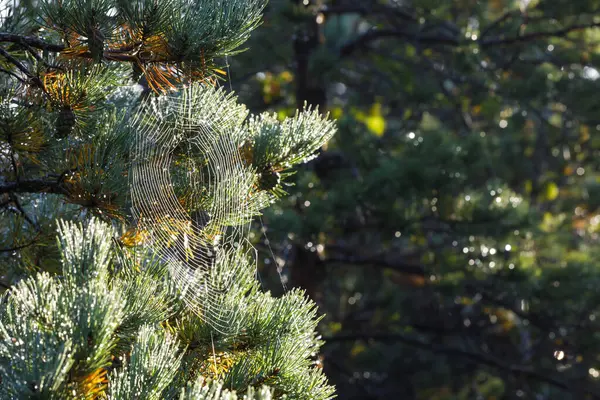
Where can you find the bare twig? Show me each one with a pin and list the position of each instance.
(34, 79)
(20, 208)
(22, 246)
(13, 75)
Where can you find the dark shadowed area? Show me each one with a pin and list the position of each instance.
(449, 231)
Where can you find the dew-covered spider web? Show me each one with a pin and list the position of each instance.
(191, 196)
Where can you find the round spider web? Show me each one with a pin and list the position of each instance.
(191, 195)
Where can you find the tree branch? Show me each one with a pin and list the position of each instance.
(398, 266)
(33, 186)
(537, 35)
(17, 77)
(22, 246)
(31, 41)
(498, 21)
(474, 356)
(375, 34)
(20, 208)
(366, 10)
(21, 68)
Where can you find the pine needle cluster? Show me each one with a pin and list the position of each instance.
(97, 314)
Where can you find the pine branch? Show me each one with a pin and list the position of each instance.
(34, 42)
(102, 329)
(212, 390)
(22, 211)
(17, 77)
(34, 186)
(31, 41)
(22, 246)
(153, 362)
(34, 79)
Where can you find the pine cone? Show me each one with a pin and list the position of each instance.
(65, 122)
(96, 43)
(269, 179)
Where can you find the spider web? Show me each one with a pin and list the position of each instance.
(192, 197)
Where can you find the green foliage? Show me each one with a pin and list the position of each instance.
(217, 27)
(283, 145)
(63, 335)
(152, 364)
(214, 391)
(75, 318)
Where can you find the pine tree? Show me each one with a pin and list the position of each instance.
(114, 132)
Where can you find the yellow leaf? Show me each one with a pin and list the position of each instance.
(376, 124)
(556, 120)
(550, 222)
(335, 327)
(133, 237)
(551, 191)
(528, 186)
(286, 76)
(584, 131)
(374, 121)
(568, 170)
(360, 116)
(429, 122)
(357, 349)
(336, 112)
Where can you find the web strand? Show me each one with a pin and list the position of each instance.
(194, 208)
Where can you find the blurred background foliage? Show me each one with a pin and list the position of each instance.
(449, 231)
